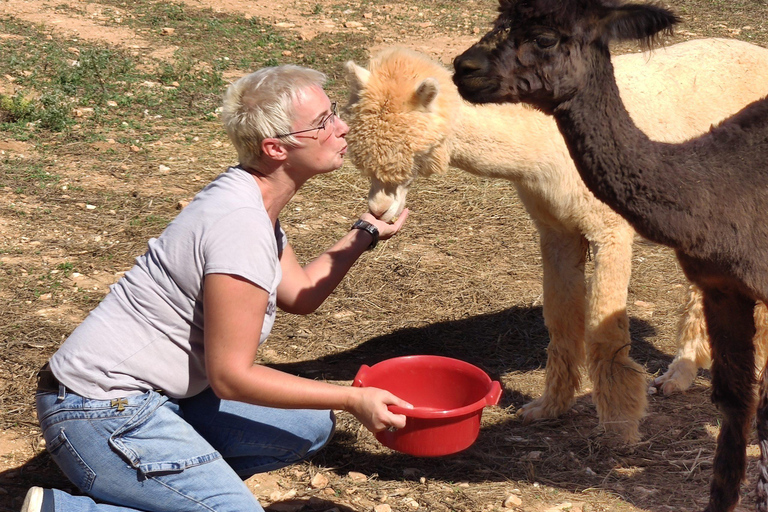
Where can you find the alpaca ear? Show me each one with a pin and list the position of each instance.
(357, 77)
(641, 22)
(426, 93)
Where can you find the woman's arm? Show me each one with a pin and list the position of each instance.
(234, 310)
(303, 289)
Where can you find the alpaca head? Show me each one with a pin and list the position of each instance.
(542, 51)
(400, 112)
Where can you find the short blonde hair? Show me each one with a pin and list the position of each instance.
(260, 105)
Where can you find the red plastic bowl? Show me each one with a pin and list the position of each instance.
(448, 396)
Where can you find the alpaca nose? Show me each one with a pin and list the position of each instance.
(473, 61)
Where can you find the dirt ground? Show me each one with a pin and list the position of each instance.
(462, 280)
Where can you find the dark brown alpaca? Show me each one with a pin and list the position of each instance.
(706, 198)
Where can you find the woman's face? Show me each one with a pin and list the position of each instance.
(322, 150)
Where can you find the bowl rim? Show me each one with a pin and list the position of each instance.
(490, 398)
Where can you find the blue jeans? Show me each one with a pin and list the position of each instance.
(146, 452)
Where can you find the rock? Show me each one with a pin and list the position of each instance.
(167, 31)
(561, 507)
(319, 481)
(533, 455)
(353, 24)
(411, 503)
(306, 34)
(512, 501)
(382, 508)
(357, 477)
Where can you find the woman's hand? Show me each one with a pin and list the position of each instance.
(369, 406)
(386, 230)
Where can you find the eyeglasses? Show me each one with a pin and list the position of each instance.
(330, 117)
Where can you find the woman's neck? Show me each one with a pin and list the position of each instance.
(277, 188)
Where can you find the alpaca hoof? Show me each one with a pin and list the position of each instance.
(541, 409)
(624, 432)
(674, 381)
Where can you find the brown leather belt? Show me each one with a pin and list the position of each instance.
(47, 381)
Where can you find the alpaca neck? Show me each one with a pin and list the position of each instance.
(511, 142)
(619, 163)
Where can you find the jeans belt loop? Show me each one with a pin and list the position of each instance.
(62, 392)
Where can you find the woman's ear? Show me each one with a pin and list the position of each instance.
(274, 149)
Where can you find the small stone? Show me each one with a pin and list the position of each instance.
(164, 169)
(111, 103)
(383, 507)
(319, 481)
(287, 53)
(411, 503)
(561, 507)
(534, 455)
(135, 149)
(167, 31)
(353, 24)
(306, 34)
(183, 203)
(357, 477)
(512, 501)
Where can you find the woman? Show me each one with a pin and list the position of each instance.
(154, 402)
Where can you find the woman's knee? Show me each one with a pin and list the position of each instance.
(319, 427)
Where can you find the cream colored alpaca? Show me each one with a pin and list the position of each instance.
(407, 120)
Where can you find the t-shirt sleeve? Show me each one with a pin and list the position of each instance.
(242, 243)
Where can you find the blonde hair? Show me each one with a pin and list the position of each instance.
(260, 105)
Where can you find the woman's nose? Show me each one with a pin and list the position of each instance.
(342, 128)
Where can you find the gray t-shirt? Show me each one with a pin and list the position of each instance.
(147, 333)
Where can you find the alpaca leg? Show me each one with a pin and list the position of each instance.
(563, 259)
(693, 347)
(761, 354)
(731, 327)
(620, 383)
(762, 430)
(761, 336)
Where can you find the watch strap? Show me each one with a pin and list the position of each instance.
(370, 228)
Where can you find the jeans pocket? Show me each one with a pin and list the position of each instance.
(159, 441)
(71, 463)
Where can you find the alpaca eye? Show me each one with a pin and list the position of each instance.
(545, 41)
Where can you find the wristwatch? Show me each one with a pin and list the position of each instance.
(370, 228)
